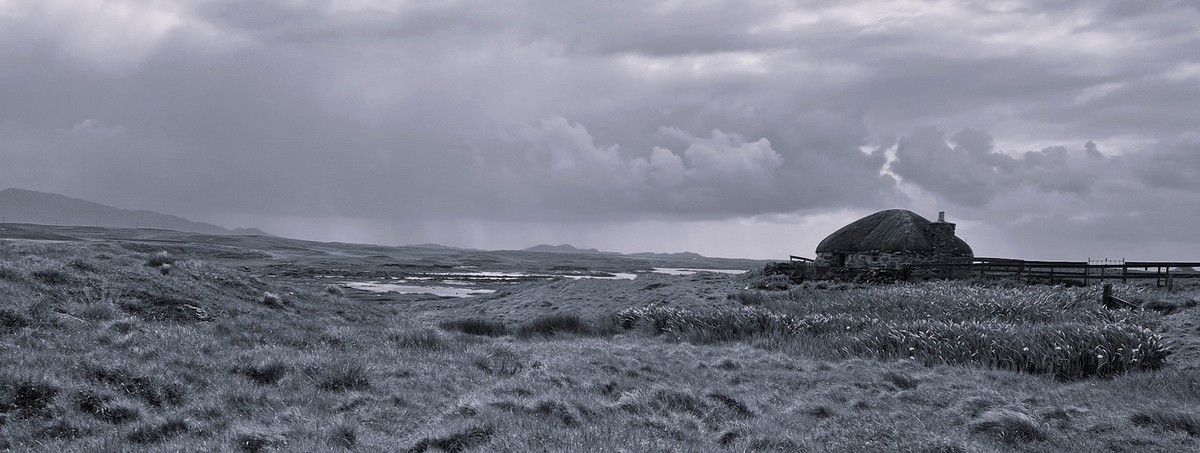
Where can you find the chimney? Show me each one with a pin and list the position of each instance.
(941, 236)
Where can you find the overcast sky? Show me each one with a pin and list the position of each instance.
(728, 128)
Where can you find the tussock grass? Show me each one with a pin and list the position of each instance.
(12, 321)
(257, 439)
(105, 407)
(27, 397)
(52, 276)
(160, 258)
(272, 300)
(553, 325)
(427, 339)
(266, 373)
(499, 360)
(153, 390)
(476, 326)
(152, 433)
(1009, 426)
(455, 442)
(733, 404)
(748, 297)
(902, 381)
(1059, 332)
(344, 435)
(1168, 421)
(334, 290)
(343, 376)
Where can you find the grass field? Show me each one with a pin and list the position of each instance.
(113, 346)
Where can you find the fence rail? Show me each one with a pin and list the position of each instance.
(1079, 272)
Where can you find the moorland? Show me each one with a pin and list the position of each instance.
(155, 340)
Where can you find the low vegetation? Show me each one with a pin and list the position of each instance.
(1032, 329)
(104, 352)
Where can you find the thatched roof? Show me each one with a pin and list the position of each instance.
(894, 230)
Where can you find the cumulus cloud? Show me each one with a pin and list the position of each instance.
(93, 126)
(968, 171)
(561, 161)
(1174, 165)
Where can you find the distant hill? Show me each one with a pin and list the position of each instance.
(565, 248)
(27, 206)
(680, 255)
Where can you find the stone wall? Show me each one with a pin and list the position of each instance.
(941, 237)
(875, 259)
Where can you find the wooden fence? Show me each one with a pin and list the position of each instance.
(1078, 272)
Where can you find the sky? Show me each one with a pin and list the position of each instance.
(1045, 130)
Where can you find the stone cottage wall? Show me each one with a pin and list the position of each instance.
(876, 259)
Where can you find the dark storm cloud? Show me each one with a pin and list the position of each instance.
(578, 111)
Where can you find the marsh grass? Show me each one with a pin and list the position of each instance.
(555, 324)
(427, 339)
(1059, 332)
(115, 360)
(476, 326)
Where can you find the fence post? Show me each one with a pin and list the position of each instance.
(1107, 299)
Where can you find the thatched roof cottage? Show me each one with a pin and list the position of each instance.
(892, 239)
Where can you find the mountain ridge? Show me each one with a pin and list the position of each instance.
(28, 206)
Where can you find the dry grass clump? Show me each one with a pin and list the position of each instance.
(1168, 421)
(335, 290)
(160, 258)
(427, 339)
(12, 321)
(265, 373)
(344, 435)
(52, 276)
(1009, 426)
(476, 326)
(748, 297)
(343, 376)
(255, 440)
(272, 300)
(732, 403)
(500, 360)
(553, 325)
(26, 397)
(455, 442)
(151, 433)
(902, 381)
(156, 391)
(105, 407)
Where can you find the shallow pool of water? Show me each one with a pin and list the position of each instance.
(683, 271)
(444, 291)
